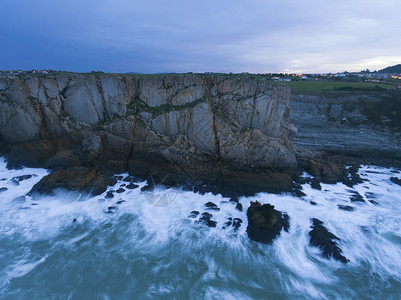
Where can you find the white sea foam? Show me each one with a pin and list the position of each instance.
(152, 240)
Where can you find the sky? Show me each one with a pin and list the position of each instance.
(156, 36)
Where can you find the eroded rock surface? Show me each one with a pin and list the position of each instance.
(190, 125)
(265, 223)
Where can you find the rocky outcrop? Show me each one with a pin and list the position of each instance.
(326, 241)
(265, 223)
(191, 126)
(362, 123)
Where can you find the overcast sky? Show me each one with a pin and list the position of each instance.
(152, 36)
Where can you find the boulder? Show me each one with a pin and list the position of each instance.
(265, 223)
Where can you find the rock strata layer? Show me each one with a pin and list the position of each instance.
(195, 127)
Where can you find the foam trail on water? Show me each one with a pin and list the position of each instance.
(146, 244)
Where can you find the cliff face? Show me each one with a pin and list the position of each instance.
(361, 123)
(185, 120)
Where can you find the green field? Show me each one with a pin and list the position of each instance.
(330, 85)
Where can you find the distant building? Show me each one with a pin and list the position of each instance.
(398, 87)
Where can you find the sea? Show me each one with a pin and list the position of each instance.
(152, 244)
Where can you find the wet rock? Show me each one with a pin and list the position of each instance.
(193, 214)
(212, 206)
(237, 223)
(75, 179)
(315, 184)
(265, 223)
(112, 208)
(312, 202)
(395, 180)
(14, 182)
(120, 190)
(120, 201)
(206, 219)
(323, 239)
(74, 221)
(128, 179)
(239, 206)
(374, 202)
(132, 186)
(20, 199)
(356, 197)
(109, 195)
(345, 207)
(3, 189)
(112, 181)
(234, 199)
(123, 185)
(14, 166)
(118, 177)
(22, 177)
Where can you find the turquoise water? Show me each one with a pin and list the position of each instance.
(148, 247)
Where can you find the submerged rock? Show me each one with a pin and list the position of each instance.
(345, 207)
(396, 180)
(206, 219)
(3, 189)
(212, 206)
(323, 239)
(265, 223)
(356, 197)
(193, 214)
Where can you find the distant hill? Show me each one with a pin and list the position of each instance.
(393, 69)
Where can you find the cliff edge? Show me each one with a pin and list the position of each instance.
(196, 127)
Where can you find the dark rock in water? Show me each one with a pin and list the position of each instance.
(211, 205)
(237, 223)
(396, 180)
(315, 184)
(234, 199)
(120, 190)
(14, 182)
(323, 239)
(128, 179)
(370, 195)
(312, 202)
(20, 199)
(395, 171)
(206, 219)
(34, 204)
(75, 220)
(14, 166)
(353, 176)
(132, 186)
(22, 177)
(3, 189)
(356, 197)
(123, 185)
(265, 223)
(345, 207)
(239, 206)
(374, 202)
(193, 214)
(112, 181)
(112, 208)
(75, 178)
(119, 177)
(120, 201)
(109, 195)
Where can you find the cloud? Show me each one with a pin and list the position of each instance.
(181, 36)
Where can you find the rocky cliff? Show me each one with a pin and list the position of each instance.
(364, 123)
(192, 125)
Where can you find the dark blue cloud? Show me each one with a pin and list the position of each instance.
(185, 35)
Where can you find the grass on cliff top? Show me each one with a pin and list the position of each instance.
(334, 86)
